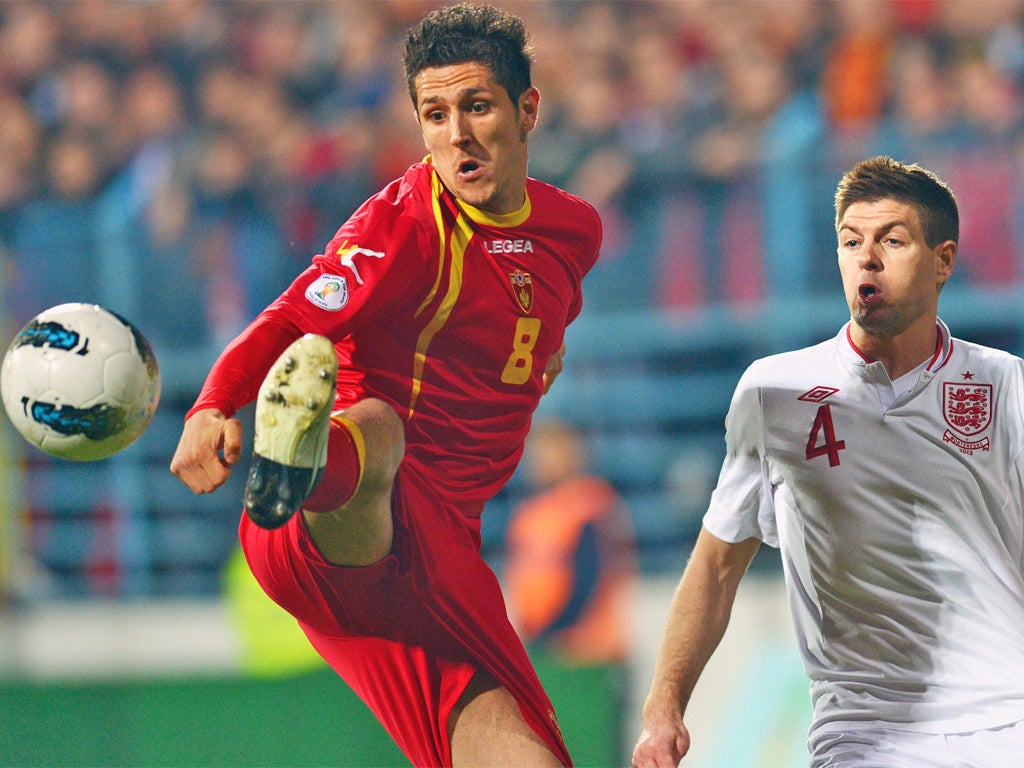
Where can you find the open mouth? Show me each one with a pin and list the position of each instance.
(867, 292)
(468, 167)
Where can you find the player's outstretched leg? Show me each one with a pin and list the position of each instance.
(293, 412)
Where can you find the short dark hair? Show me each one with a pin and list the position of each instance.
(882, 178)
(461, 33)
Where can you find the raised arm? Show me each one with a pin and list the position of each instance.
(696, 623)
(211, 440)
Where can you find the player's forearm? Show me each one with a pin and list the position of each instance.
(694, 628)
(235, 377)
(698, 617)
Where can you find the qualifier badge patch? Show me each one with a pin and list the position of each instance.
(328, 292)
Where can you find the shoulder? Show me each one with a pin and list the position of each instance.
(398, 212)
(549, 199)
(562, 216)
(392, 226)
(550, 193)
(412, 190)
(991, 355)
(781, 375)
(788, 366)
(976, 362)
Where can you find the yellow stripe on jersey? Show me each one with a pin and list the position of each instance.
(461, 235)
(442, 236)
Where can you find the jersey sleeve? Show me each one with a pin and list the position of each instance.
(569, 220)
(377, 260)
(591, 233)
(235, 377)
(742, 504)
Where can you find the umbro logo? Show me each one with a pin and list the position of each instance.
(818, 394)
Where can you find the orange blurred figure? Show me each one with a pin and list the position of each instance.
(572, 565)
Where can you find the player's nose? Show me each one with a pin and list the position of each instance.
(458, 128)
(869, 256)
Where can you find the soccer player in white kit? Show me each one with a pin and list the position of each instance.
(886, 465)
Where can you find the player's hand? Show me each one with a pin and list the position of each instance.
(210, 443)
(662, 744)
(554, 367)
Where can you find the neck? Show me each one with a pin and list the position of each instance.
(899, 354)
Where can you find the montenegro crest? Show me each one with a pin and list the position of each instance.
(522, 287)
(967, 409)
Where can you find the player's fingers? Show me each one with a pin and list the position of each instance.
(648, 759)
(201, 476)
(197, 460)
(653, 751)
(232, 440)
(199, 466)
(554, 367)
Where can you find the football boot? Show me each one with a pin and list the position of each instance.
(293, 413)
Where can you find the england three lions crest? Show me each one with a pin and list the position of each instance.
(522, 287)
(967, 409)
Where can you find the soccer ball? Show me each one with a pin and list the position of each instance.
(79, 382)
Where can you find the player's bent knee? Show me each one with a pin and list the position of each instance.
(384, 439)
(361, 531)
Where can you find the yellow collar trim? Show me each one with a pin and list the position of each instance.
(478, 216)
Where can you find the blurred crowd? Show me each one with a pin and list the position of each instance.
(182, 160)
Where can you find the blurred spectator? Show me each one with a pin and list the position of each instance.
(726, 234)
(54, 240)
(988, 165)
(571, 569)
(29, 38)
(20, 146)
(922, 117)
(854, 80)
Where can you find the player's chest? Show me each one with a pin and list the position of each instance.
(513, 275)
(858, 472)
(506, 286)
(843, 428)
(499, 312)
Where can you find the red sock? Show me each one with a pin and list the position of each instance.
(344, 470)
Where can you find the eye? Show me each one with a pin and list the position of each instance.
(479, 107)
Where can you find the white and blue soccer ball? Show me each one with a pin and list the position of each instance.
(80, 382)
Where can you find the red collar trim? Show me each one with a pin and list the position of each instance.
(943, 346)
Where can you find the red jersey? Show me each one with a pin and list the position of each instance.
(450, 314)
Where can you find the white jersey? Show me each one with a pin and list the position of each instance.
(900, 527)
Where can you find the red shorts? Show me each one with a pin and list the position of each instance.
(407, 633)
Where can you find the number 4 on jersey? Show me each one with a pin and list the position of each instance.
(822, 440)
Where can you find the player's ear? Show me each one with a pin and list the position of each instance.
(529, 102)
(945, 260)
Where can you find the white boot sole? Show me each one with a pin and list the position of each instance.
(293, 412)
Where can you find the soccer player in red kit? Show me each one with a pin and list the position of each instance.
(396, 379)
